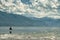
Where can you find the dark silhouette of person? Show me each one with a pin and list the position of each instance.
(10, 30)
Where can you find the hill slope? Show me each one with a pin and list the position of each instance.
(19, 20)
(13, 19)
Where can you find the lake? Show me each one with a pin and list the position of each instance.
(29, 29)
(46, 33)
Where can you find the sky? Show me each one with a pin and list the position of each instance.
(32, 8)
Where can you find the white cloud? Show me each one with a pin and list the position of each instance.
(55, 16)
(38, 8)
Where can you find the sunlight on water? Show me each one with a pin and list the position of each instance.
(30, 33)
(24, 37)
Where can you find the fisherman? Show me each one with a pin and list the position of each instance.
(10, 30)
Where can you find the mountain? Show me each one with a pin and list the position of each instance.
(9, 19)
(13, 19)
(47, 22)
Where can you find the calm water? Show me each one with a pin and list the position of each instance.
(29, 29)
(30, 33)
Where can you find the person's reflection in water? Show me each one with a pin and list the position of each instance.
(10, 30)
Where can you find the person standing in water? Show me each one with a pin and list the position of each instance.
(10, 30)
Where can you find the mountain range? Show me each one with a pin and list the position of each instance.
(10, 19)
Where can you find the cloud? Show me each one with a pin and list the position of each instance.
(32, 8)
